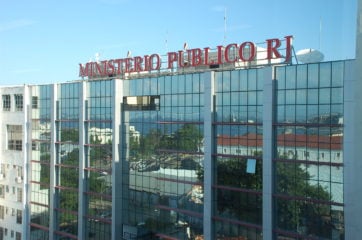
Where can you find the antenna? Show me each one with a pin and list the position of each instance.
(97, 55)
(186, 46)
(166, 41)
(224, 25)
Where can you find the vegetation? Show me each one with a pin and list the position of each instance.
(291, 181)
(243, 206)
(68, 200)
(187, 138)
(70, 135)
(301, 215)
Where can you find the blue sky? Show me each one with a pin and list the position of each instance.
(43, 41)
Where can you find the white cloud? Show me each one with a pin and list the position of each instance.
(19, 23)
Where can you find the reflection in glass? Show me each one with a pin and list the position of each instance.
(165, 158)
(309, 162)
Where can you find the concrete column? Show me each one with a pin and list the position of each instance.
(208, 79)
(53, 132)
(353, 139)
(82, 203)
(268, 118)
(27, 146)
(117, 168)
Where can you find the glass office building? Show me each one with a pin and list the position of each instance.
(252, 153)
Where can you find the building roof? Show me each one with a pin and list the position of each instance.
(286, 140)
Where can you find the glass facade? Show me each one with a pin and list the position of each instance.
(71, 137)
(98, 159)
(161, 143)
(164, 158)
(308, 160)
(67, 160)
(40, 163)
(238, 137)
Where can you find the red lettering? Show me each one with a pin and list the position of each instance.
(288, 48)
(272, 48)
(146, 66)
(137, 64)
(155, 62)
(171, 58)
(250, 50)
(119, 65)
(128, 65)
(219, 55)
(196, 57)
(246, 52)
(84, 71)
(98, 69)
(92, 70)
(104, 65)
(227, 52)
(181, 60)
(110, 67)
(206, 56)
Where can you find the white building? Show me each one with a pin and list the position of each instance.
(12, 159)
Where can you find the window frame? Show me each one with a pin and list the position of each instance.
(6, 101)
(19, 102)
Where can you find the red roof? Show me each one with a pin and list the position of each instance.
(286, 140)
(251, 140)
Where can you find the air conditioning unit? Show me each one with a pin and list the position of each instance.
(19, 179)
(2, 176)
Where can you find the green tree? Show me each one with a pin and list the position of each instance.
(188, 138)
(134, 148)
(70, 135)
(291, 180)
(100, 154)
(232, 172)
(150, 143)
(235, 204)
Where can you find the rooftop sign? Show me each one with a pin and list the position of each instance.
(245, 52)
